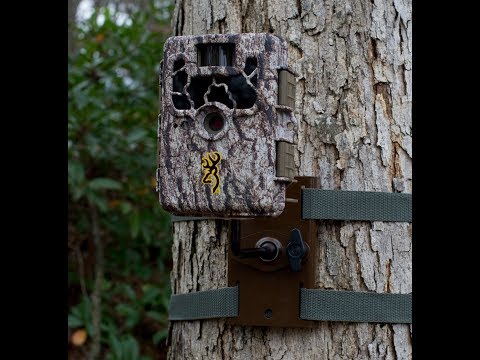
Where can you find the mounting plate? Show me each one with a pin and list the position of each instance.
(270, 290)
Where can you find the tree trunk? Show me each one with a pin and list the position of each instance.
(353, 103)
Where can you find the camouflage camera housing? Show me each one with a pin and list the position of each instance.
(227, 125)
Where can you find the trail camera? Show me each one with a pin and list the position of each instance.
(226, 128)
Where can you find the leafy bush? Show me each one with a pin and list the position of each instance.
(112, 112)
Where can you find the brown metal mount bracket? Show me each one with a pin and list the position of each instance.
(270, 290)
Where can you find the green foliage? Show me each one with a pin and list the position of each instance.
(112, 114)
(119, 322)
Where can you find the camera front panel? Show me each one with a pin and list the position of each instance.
(223, 119)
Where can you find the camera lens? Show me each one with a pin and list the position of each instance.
(213, 123)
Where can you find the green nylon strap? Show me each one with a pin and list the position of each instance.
(346, 205)
(175, 218)
(355, 306)
(356, 205)
(204, 304)
(315, 304)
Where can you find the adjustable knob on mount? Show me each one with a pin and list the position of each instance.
(296, 250)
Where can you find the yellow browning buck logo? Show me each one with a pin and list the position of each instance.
(210, 165)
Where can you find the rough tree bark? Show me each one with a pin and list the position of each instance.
(353, 103)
